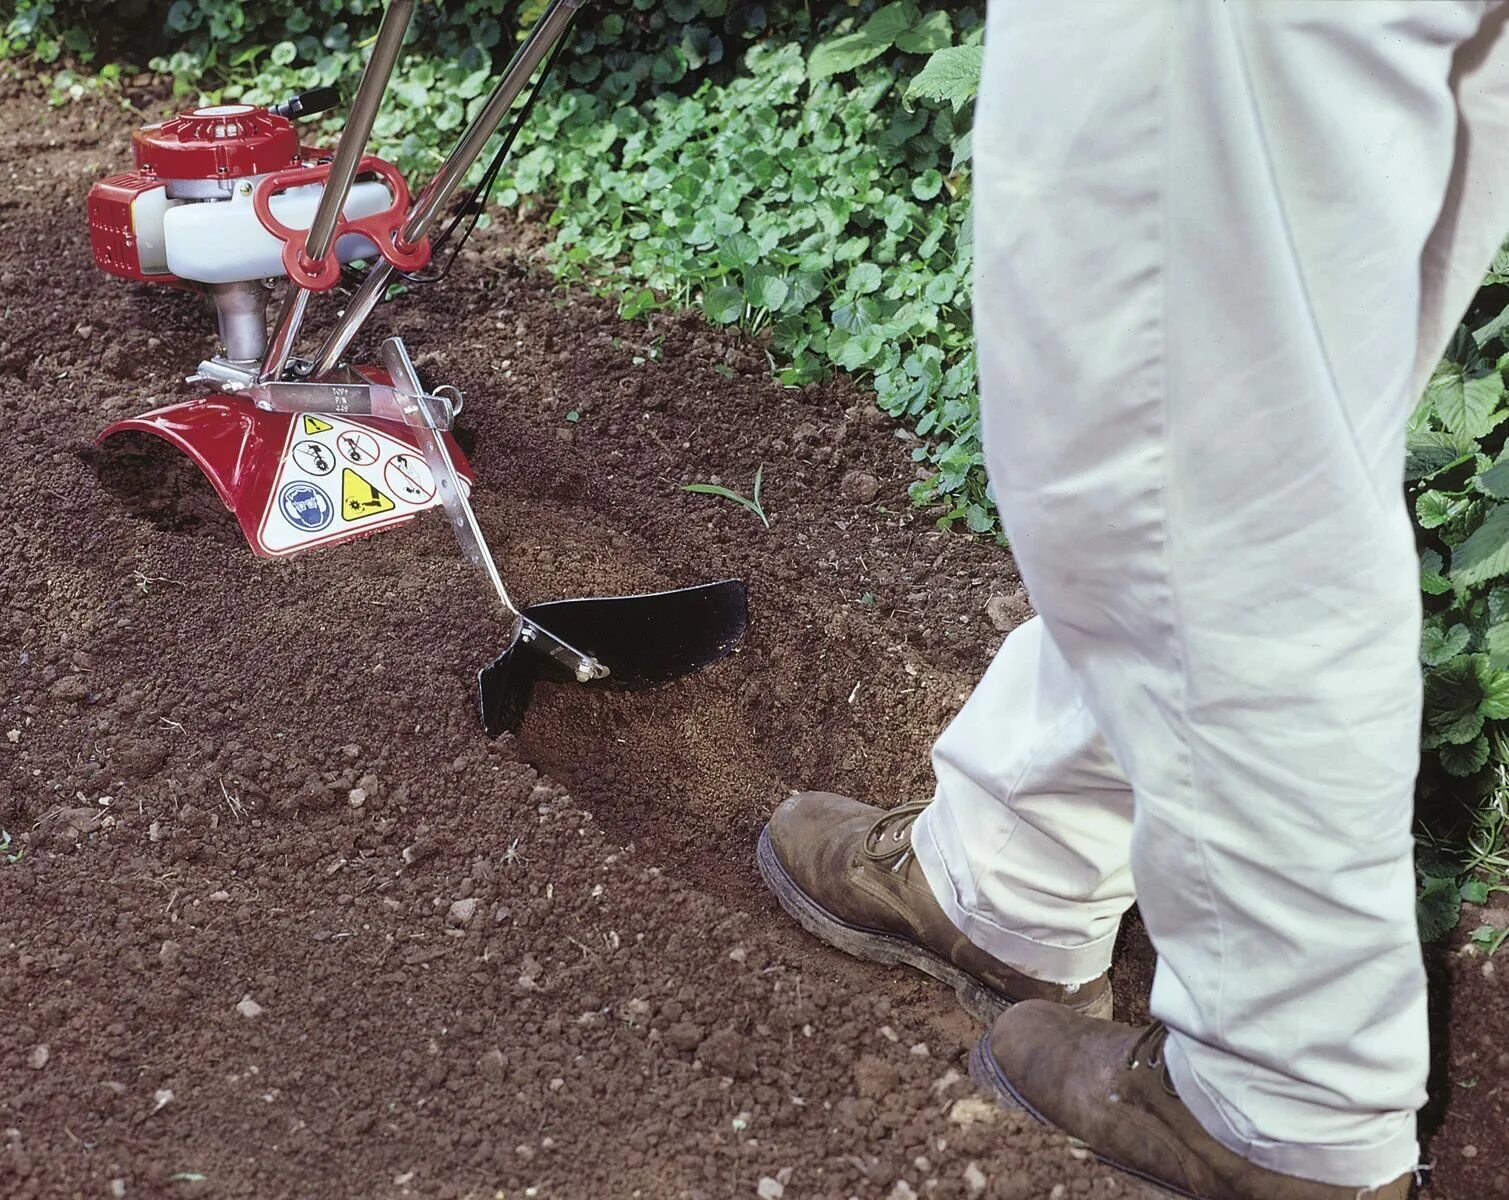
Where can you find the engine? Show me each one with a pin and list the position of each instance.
(220, 200)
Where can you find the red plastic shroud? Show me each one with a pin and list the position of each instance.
(228, 141)
(239, 447)
(112, 230)
(384, 228)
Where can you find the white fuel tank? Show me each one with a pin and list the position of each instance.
(221, 241)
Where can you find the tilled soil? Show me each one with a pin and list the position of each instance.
(286, 924)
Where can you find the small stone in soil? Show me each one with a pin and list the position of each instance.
(769, 1188)
(972, 1110)
(37, 1059)
(462, 911)
(491, 1066)
(249, 1007)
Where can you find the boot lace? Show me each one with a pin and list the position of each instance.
(889, 840)
(1147, 1051)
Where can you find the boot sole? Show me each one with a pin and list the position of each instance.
(987, 1073)
(980, 1001)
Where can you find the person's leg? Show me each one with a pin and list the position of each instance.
(1200, 296)
(1027, 844)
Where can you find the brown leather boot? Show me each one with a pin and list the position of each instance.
(1107, 1085)
(846, 872)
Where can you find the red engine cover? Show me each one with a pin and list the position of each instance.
(226, 141)
(112, 233)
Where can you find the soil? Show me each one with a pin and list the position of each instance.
(285, 923)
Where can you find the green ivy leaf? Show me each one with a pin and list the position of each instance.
(932, 32)
(978, 518)
(864, 279)
(1466, 759)
(1438, 907)
(1494, 684)
(1438, 646)
(928, 184)
(739, 250)
(723, 304)
(763, 288)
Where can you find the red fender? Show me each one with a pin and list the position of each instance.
(296, 482)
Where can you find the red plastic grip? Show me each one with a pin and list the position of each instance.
(384, 228)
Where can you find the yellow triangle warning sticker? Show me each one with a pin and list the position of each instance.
(359, 498)
(313, 425)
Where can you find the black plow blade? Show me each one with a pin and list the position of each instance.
(633, 641)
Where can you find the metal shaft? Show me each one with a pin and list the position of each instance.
(343, 166)
(437, 456)
(438, 192)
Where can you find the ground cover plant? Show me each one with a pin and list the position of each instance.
(801, 172)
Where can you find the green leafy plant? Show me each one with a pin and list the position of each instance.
(5, 850)
(1458, 482)
(1490, 938)
(751, 502)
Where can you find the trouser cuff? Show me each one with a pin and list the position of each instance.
(937, 844)
(1364, 1167)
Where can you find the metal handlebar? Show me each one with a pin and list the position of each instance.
(342, 172)
(548, 31)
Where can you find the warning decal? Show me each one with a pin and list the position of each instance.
(383, 480)
(360, 499)
(358, 446)
(304, 505)
(314, 457)
(408, 476)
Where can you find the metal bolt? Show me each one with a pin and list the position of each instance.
(244, 187)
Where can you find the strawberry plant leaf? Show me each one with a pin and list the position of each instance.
(951, 76)
(1432, 581)
(847, 51)
(1430, 451)
(1465, 399)
(1496, 642)
(1495, 481)
(1485, 553)
(1434, 509)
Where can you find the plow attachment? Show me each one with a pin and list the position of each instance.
(637, 641)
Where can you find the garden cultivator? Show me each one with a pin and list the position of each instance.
(310, 452)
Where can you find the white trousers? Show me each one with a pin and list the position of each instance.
(1220, 247)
